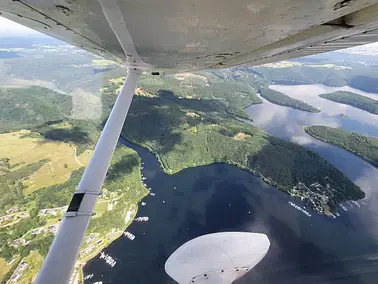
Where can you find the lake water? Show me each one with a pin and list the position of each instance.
(220, 197)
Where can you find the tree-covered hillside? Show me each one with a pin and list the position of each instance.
(220, 88)
(364, 146)
(29, 107)
(354, 100)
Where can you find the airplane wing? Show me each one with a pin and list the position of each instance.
(184, 35)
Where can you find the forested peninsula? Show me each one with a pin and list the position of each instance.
(280, 99)
(363, 146)
(353, 99)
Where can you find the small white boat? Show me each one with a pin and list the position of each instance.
(129, 235)
(142, 219)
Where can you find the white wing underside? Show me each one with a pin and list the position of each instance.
(217, 258)
(183, 35)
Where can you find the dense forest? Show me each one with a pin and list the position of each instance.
(21, 108)
(280, 99)
(217, 88)
(363, 146)
(186, 131)
(354, 100)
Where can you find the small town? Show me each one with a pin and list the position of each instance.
(315, 195)
(12, 217)
(53, 216)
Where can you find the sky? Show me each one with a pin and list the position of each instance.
(8, 27)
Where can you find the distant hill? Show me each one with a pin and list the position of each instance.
(364, 83)
(18, 41)
(356, 74)
(30, 107)
(8, 54)
(53, 62)
(302, 75)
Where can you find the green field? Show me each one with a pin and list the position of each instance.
(353, 99)
(363, 146)
(22, 149)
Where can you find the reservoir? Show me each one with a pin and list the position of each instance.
(219, 197)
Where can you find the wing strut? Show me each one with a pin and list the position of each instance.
(60, 260)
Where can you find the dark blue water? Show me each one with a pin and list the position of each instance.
(224, 198)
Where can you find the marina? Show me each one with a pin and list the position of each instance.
(299, 208)
(108, 259)
(129, 235)
(141, 219)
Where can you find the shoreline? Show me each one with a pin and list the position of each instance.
(366, 159)
(80, 263)
(325, 208)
